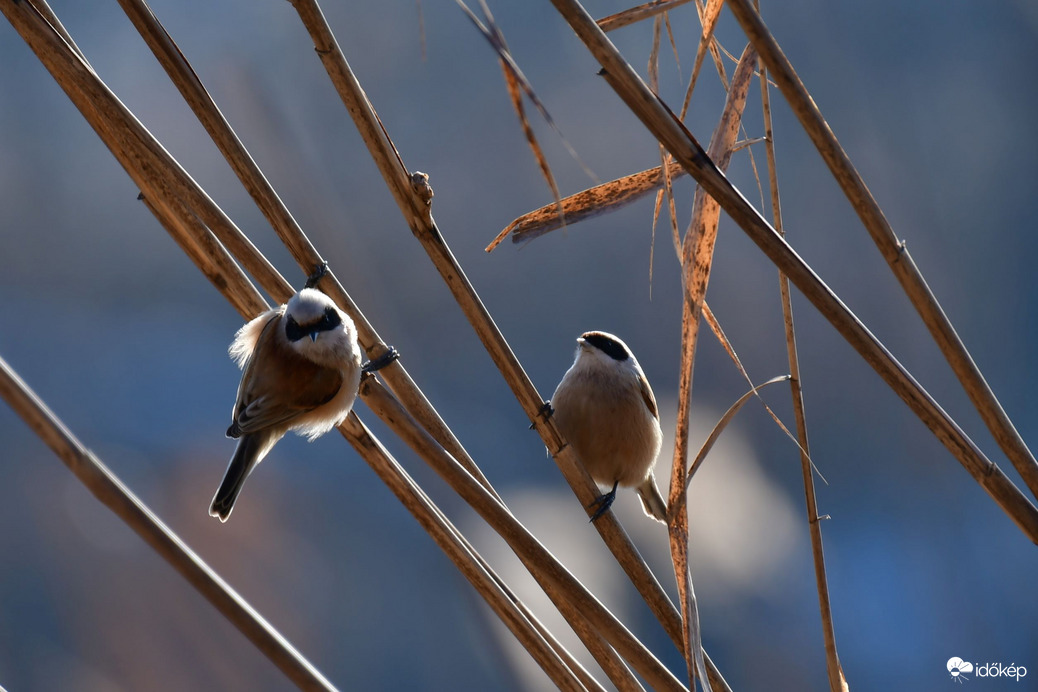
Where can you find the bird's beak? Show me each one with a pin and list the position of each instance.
(313, 336)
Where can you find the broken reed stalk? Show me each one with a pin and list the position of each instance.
(284, 224)
(406, 191)
(893, 250)
(132, 144)
(837, 679)
(659, 120)
(110, 491)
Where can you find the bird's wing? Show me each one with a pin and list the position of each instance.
(647, 396)
(278, 385)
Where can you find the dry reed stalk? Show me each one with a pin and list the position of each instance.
(284, 224)
(659, 120)
(893, 250)
(240, 293)
(637, 14)
(696, 261)
(418, 216)
(111, 492)
(837, 679)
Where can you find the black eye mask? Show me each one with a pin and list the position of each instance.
(330, 320)
(611, 347)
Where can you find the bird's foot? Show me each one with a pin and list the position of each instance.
(603, 503)
(546, 411)
(382, 361)
(320, 271)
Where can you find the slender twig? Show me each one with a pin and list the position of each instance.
(111, 492)
(892, 249)
(837, 679)
(659, 120)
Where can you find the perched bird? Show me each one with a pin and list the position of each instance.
(605, 408)
(302, 368)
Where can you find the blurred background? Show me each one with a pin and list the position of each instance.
(113, 327)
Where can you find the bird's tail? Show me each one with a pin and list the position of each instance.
(652, 502)
(251, 448)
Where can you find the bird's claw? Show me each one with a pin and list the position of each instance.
(546, 411)
(603, 503)
(319, 272)
(387, 357)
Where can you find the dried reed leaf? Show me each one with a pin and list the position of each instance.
(586, 204)
(636, 14)
(654, 56)
(727, 418)
(516, 83)
(715, 327)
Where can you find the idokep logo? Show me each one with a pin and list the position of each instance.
(960, 670)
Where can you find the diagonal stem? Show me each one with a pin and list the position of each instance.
(892, 249)
(111, 492)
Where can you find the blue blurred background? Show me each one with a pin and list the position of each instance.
(104, 317)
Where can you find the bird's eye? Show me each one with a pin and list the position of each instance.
(292, 330)
(331, 318)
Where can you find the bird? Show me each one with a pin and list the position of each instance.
(605, 408)
(301, 369)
